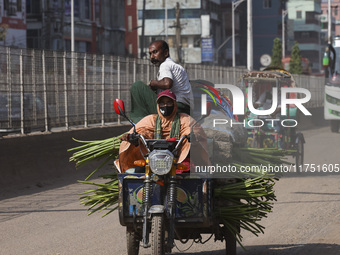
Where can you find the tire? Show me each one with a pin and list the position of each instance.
(157, 235)
(230, 243)
(132, 242)
(299, 152)
(335, 126)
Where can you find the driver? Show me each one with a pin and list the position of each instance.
(167, 124)
(266, 100)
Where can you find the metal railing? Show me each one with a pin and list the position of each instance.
(40, 90)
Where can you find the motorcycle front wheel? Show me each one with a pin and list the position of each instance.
(132, 242)
(157, 235)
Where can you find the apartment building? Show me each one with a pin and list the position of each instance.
(305, 28)
(13, 23)
(183, 24)
(98, 25)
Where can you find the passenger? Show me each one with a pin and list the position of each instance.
(171, 76)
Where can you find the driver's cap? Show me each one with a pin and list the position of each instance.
(166, 93)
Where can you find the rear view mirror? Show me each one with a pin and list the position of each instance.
(119, 107)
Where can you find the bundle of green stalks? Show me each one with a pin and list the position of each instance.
(245, 202)
(241, 205)
(102, 198)
(106, 150)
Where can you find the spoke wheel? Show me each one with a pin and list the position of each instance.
(157, 235)
(132, 242)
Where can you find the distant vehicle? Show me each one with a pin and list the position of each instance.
(263, 132)
(331, 63)
(10, 113)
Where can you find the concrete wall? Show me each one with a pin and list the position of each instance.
(30, 159)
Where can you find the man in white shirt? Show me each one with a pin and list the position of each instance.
(170, 76)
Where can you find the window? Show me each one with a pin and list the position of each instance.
(11, 7)
(305, 35)
(34, 38)
(75, 7)
(160, 14)
(197, 41)
(171, 41)
(18, 5)
(83, 46)
(79, 46)
(128, 2)
(184, 42)
(129, 23)
(130, 48)
(87, 9)
(267, 4)
(298, 14)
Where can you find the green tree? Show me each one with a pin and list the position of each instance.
(277, 53)
(295, 64)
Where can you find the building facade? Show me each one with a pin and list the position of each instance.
(182, 24)
(13, 23)
(305, 28)
(98, 25)
(267, 25)
(111, 27)
(131, 28)
(335, 19)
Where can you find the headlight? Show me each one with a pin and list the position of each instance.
(160, 162)
(332, 100)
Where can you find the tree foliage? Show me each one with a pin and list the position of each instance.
(277, 53)
(295, 64)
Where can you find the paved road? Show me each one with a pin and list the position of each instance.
(49, 220)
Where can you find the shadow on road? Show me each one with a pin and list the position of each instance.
(300, 249)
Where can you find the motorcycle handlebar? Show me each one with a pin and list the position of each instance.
(135, 136)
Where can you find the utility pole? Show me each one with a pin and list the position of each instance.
(43, 21)
(249, 35)
(143, 29)
(233, 7)
(166, 20)
(329, 22)
(284, 13)
(178, 34)
(72, 26)
(62, 14)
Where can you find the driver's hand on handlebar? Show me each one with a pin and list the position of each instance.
(125, 137)
(131, 138)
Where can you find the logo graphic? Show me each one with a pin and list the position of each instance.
(238, 100)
